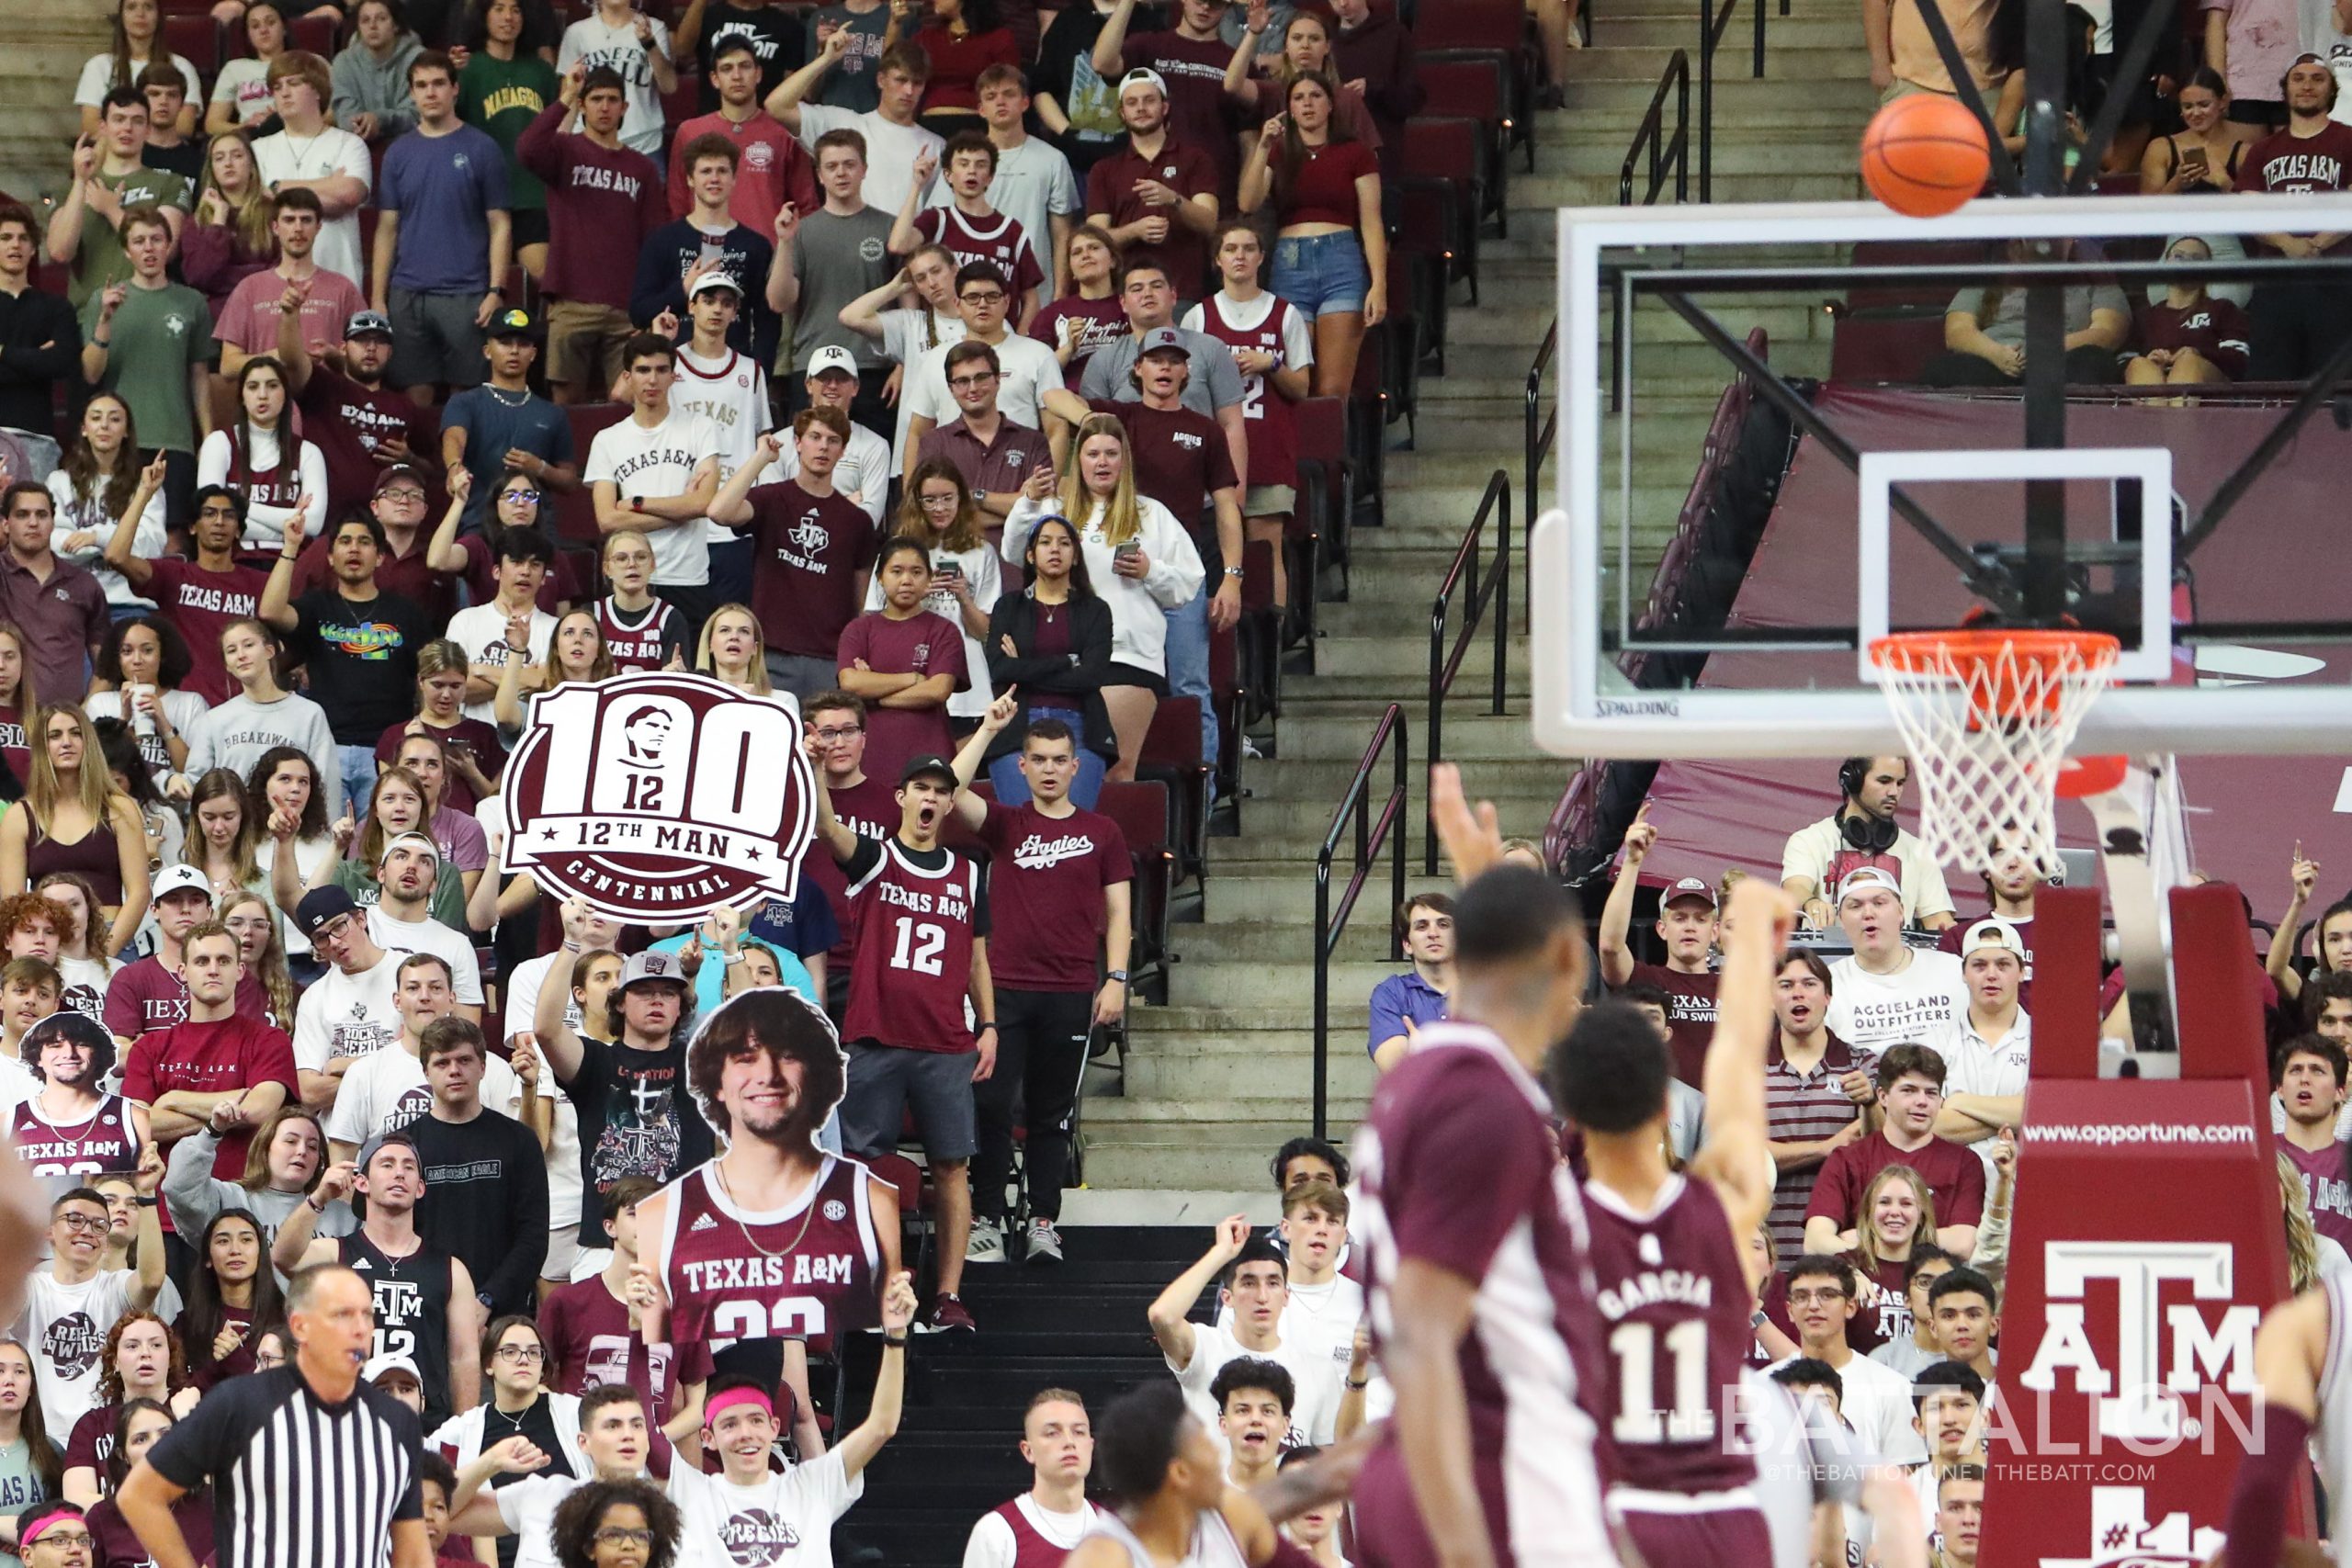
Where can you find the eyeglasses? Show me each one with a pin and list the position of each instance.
(1809, 1298)
(69, 1540)
(518, 496)
(841, 733)
(519, 1353)
(405, 493)
(83, 1224)
(982, 296)
(939, 500)
(618, 1535)
(970, 383)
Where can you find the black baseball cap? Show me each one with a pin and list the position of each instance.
(322, 906)
(515, 322)
(933, 766)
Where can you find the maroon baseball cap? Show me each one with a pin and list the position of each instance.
(1689, 888)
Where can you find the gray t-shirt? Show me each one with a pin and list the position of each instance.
(850, 83)
(2005, 324)
(1214, 383)
(837, 259)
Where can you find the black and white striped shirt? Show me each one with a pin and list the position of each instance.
(297, 1480)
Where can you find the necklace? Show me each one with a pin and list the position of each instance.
(808, 1212)
(500, 394)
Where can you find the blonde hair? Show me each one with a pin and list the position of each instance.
(250, 214)
(1866, 1245)
(93, 789)
(1122, 519)
(757, 680)
(2302, 1242)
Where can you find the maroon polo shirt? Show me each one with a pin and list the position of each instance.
(62, 615)
(1181, 459)
(1001, 465)
(1182, 168)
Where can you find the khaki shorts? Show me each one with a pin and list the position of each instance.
(1269, 501)
(584, 346)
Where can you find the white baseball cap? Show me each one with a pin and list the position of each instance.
(1868, 876)
(1996, 933)
(833, 357)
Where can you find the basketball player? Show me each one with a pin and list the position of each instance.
(774, 1238)
(1171, 1507)
(921, 916)
(2301, 1353)
(70, 1132)
(1038, 1528)
(1466, 1215)
(1673, 1288)
(425, 1300)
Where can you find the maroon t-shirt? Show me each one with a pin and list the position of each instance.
(1183, 168)
(201, 604)
(116, 1542)
(1468, 1181)
(2216, 329)
(807, 553)
(925, 645)
(870, 809)
(2325, 1186)
(2283, 161)
(143, 996)
(347, 423)
(588, 1341)
(1181, 460)
(1197, 111)
(489, 756)
(1047, 877)
(1954, 1175)
(93, 1439)
(1689, 1013)
(603, 203)
(1099, 321)
(1325, 191)
(233, 1052)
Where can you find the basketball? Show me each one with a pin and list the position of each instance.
(1924, 154)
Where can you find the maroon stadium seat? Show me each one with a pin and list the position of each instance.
(1141, 811)
(196, 38)
(1172, 754)
(576, 517)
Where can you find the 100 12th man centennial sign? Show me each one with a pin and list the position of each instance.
(660, 796)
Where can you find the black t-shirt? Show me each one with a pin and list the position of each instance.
(361, 655)
(186, 160)
(486, 1203)
(636, 1119)
(778, 36)
(332, 1478)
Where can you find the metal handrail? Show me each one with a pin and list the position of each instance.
(1651, 133)
(1538, 438)
(1493, 590)
(1711, 33)
(1371, 834)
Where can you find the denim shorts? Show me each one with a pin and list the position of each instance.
(1321, 274)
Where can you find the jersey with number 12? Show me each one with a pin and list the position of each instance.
(916, 924)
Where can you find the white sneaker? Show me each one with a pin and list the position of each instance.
(1044, 1242)
(986, 1243)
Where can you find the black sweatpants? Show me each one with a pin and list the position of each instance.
(1040, 1059)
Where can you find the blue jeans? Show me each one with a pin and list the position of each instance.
(358, 764)
(1188, 659)
(1011, 789)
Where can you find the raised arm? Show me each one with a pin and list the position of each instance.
(277, 606)
(1169, 1314)
(970, 809)
(557, 1041)
(1109, 62)
(784, 102)
(881, 1423)
(1733, 1160)
(1617, 913)
(138, 572)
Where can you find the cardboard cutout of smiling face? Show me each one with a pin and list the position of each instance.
(69, 1025)
(791, 1069)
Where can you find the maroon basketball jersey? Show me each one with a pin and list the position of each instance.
(2325, 1184)
(1273, 426)
(1031, 1547)
(281, 486)
(68, 1156)
(915, 928)
(811, 1269)
(639, 646)
(1674, 1302)
(999, 243)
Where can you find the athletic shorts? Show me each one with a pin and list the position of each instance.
(887, 1081)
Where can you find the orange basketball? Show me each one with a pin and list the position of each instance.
(1924, 154)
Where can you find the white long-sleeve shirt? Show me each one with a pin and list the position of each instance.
(1139, 606)
(76, 515)
(266, 522)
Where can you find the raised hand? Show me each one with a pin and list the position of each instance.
(517, 1455)
(1641, 838)
(1232, 1235)
(926, 165)
(1002, 712)
(787, 224)
(151, 477)
(1473, 837)
(336, 1182)
(150, 1174)
(111, 301)
(898, 1302)
(2304, 874)
(86, 158)
(522, 1056)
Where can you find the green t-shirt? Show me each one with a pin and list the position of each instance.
(100, 260)
(502, 96)
(156, 335)
(447, 906)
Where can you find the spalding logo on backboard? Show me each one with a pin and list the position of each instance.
(660, 796)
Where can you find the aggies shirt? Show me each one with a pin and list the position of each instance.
(590, 1344)
(1000, 242)
(1047, 875)
(918, 913)
(807, 554)
(2285, 162)
(641, 640)
(2325, 1186)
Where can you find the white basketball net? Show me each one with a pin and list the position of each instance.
(1987, 718)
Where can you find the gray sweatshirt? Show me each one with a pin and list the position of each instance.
(234, 734)
(195, 1195)
(364, 84)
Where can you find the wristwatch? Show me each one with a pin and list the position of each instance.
(637, 503)
(1233, 571)
(1118, 974)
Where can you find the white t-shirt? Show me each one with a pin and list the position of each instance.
(182, 708)
(1318, 1381)
(74, 516)
(732, 392)
(480, 630)
(347, 1015)
(992, 1544)
(329, 154)
(401, 938)
(1809, 850)
(590, 39)
(660, 460)
(1034, 184)
(527, 1508)
(245, 83)
(907, 336)
(65, 1328)
(1876, 1403)
(782, 1521)
(864, 471)
(564, 1143)
(98, 75)
(1026, 370)
(386, 1089)
(890, 149)
(1972, 1067)
(1922, 998)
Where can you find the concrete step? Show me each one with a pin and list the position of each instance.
(1805, 61)
(1315, 778)
(1250, 986)
(1334, 729)
(1304, 820)
(1664, 30)
(1253, 1067)
(1177, 1159)
(1287, 944)
(1225, 1119)
(1405, 655)
(1348, 1012)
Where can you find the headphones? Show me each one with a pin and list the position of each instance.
(1872, 834)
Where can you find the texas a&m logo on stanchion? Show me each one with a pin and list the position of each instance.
(660, 795)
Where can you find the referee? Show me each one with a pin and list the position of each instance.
(308, 1463)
